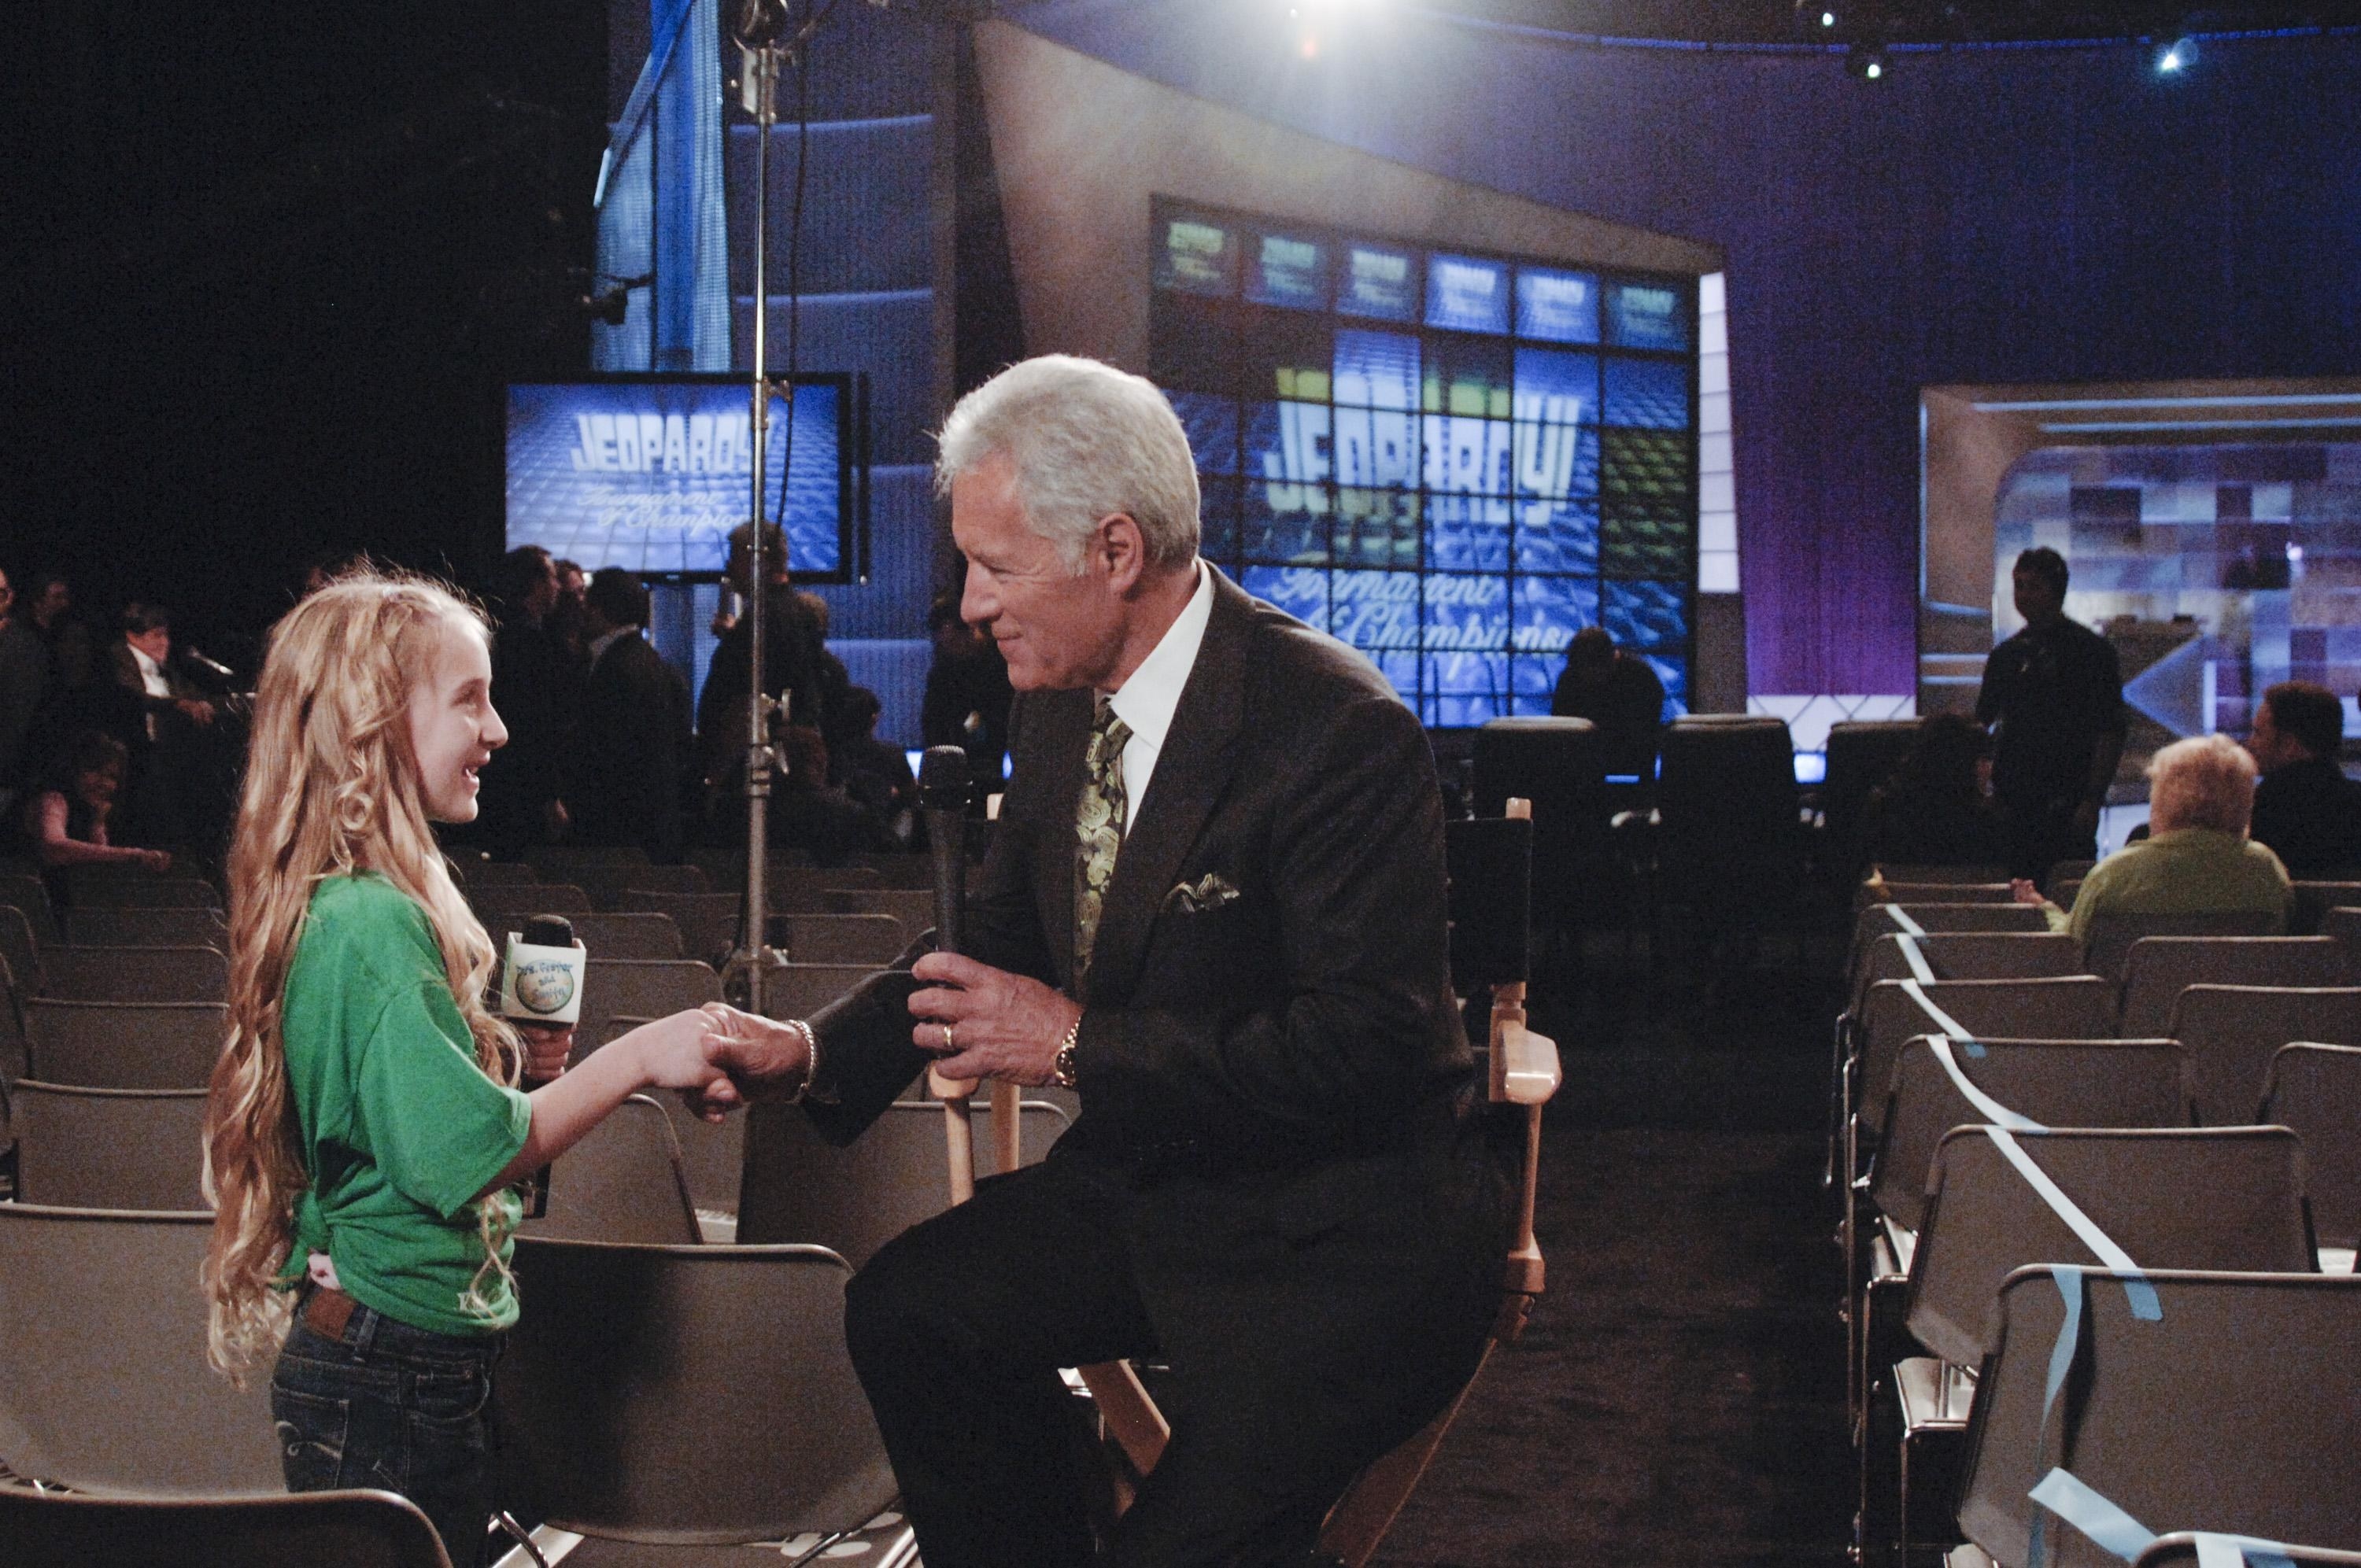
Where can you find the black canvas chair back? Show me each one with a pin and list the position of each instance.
(627, 936)
(2162, 968)
(104, 1386)
(2070, 1007)
(870, 939)
(2316, 1091)
(137, 974)
(350, 1529)
(623, 1182)
(812, 890)
(2232, 1031)
(502, 908)
(634, 1362)
(2223, 1402)
(707, 922)
(855, 1199)
(109, 1148)
(27, 896)
(2059, 1083)
(125, 1045)
(101, 926)
(1908, 893)
(898, 868)
(1491, 867)
(638, 988)
(2313, 900)
(1861, 755)
(1725, 794)
(18, 949)
(1912, 874)
(2112, 936)
(1970, 955)
(613, 886)
(1559, 764)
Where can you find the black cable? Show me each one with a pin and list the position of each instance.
(794, 267)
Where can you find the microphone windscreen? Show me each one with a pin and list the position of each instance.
(549, 931)
(943, 779)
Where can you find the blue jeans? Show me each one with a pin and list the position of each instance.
(392, 1407)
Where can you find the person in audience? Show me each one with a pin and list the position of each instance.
(2054, 696)
(791, 668)
(66, 818)
(1215, 907)
(2197, 857)
(837, 723)
(564, 623)
(1620, 694)
(634, 746)
(48, 598)
(876, 773)
(24, 686)
(2305, 809)
(179, 781)
(967, 693)
(364, 1125)
(1934, 811)
(522, 801)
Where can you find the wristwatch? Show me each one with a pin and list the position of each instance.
(1062, 1068)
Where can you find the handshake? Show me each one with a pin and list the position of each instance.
(980, 1023)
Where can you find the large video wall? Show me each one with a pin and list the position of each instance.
(1452, 462)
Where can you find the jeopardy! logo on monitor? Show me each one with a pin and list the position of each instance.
(651, 473)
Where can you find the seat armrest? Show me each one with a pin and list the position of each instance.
(1530, 1072)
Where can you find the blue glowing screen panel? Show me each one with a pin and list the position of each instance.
(1450, 462)
(651, 473)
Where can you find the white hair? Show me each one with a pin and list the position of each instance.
(1084, 441)
(2206, 781)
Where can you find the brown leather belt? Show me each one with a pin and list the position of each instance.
(326, 1311)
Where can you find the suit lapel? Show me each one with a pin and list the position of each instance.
(1192, 773)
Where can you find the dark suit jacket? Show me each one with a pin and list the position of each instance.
(1266, 1068)
(634, 743)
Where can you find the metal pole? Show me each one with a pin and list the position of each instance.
(752, 959)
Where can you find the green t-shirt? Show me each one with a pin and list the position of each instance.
(401, 1128)
(2189, 870)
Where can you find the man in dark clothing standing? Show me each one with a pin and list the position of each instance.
(635, 741)
(967, 694)
(2305, 809)
(792, 645)
(2054, 695)
(523, 783)
(1620, 694)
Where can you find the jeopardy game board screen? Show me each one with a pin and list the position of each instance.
(1452, 461)
(651, 473)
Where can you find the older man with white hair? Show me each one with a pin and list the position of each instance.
(1215, 908)
(2197, 857)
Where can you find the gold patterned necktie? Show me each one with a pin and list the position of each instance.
(1099, 813)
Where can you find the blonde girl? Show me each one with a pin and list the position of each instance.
(365, 1124)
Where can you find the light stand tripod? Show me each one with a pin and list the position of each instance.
(768, 38)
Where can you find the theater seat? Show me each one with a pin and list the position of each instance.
(348, 1529)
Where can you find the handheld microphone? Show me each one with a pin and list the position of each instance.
(212, 667)
(541, 985)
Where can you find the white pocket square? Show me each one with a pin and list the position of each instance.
(1209, 892)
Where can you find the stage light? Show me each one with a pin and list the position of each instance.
(1866, 61)
(1828, 18)
(2178, 56)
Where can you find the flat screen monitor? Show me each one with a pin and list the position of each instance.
(650, 472)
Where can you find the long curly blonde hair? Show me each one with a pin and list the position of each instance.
(331, 787)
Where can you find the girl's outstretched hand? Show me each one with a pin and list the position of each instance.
(677, 1052)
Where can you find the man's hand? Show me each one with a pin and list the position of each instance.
(2022, 891)
(200, 712)
(763, 1059)
(1001, 1025)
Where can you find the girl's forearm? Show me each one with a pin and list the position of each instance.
(566, 1108)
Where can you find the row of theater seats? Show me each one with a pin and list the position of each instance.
(2089, 1200)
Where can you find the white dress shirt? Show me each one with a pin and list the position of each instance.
(1146, 701)
(151, 673)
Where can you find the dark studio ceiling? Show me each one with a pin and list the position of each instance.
(1903, 21)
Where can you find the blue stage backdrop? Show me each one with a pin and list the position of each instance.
(651, 474)
(2017, 215)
